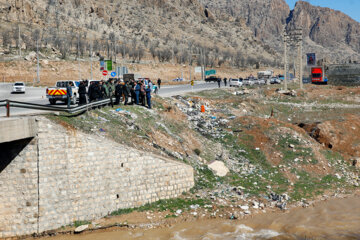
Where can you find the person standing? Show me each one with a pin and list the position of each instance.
(159, 82)
(143, 93)
(118, 92)
(101, 91)
(132, 91)
(126, 92)
(69, 93)
(225, 81)
(137, 92)
(111, 90)
(148, 96)
(219, 81)
(82, 93)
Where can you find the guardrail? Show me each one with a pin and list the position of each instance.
(73, 110)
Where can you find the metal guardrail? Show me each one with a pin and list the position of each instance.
(73, 110)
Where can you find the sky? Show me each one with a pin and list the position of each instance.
(349, 7)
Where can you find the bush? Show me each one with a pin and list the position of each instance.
(197, 151)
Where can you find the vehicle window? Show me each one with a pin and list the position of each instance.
(19, 84)
(77, 84)
(316, 75)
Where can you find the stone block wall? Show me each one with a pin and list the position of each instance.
(344, 74)
(65, 175)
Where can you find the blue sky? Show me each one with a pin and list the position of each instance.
(349, 7)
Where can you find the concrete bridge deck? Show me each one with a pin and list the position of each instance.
(13, 129)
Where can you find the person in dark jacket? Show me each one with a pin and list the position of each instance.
(225, 81)
(69, 93)
(101, 91)
(93, 91)
(118, 93)
(132, 91)
(219, 81)
(148, 96)
(159, 82)
(82, 93)
(126, 92)
(137, 92)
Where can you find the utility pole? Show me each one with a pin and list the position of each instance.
(91, 64)
(19, 43)
(301, 64)
(38, 64)
(285, 60)
(293, 38)
(79, 57)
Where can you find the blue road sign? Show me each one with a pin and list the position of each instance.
(113, 74)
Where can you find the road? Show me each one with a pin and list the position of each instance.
(38, 95)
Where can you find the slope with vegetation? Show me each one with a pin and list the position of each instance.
(263, 145)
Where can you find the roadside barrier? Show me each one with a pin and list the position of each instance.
(8, 104)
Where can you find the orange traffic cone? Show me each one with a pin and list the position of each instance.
(202, 108)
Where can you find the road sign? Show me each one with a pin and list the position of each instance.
(197, 69)
(311, 59)
(192, 82)
(109, 65)
(210, 72)
(113, 74)
(105, 73)
(102, 65)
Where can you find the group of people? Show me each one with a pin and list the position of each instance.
(219, 82)
(139, 91)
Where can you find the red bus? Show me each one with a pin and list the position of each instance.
(317, 75)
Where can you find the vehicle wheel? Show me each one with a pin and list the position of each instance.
(52, 101)
(73, 100)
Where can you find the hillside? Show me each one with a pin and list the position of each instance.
(331, 34)
(164, 30)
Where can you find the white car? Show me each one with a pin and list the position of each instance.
(262, 81)
(234, 82)
(18, 87)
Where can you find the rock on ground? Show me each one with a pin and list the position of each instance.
(219, 168)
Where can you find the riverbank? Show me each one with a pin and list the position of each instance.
(328, 217)
(251, 153)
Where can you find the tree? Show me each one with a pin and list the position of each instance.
(140, 53)
(6, 39)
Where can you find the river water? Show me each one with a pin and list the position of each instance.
(332, 219)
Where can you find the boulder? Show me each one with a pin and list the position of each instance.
(30, 56)
(219, 168)
(81, 228)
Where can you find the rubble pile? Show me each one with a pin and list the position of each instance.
(204, 122)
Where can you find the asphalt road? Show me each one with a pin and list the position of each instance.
(38, 95)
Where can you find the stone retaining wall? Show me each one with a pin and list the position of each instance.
(344, 74)
(64, 175)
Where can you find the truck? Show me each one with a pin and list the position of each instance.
(265, 74)
(59, 92)
(318, 75)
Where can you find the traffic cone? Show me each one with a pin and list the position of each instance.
(202, 108)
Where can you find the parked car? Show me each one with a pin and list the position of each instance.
(18, 87)
(178, 79)
(235, 82)
(212, 79)
(262, 81)
(246, 82)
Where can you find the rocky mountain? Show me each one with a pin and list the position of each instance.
(266, 18)
(167, 29)
(333, 30)
(331, 34)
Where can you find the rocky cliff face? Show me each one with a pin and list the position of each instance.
(162, 23)
(266, 18)
(331, 34)
(326, 27)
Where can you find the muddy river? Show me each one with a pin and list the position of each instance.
(333, 219)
